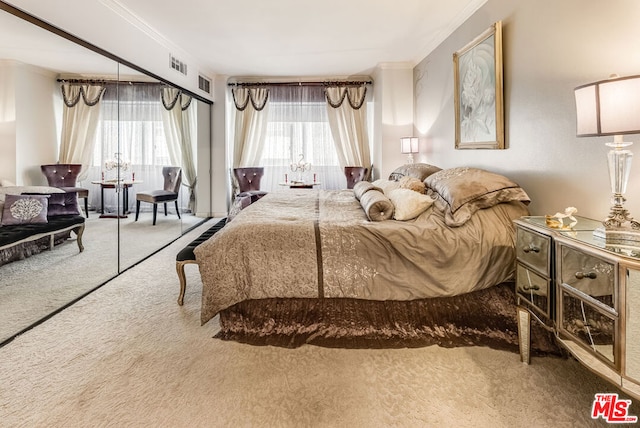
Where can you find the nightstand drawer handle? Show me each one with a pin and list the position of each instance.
(581, 275)
(532, 248)
(530, 287)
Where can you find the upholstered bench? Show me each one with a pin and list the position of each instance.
(36, 218)
(186, 255)
(22, 240)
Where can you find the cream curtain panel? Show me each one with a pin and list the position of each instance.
(347, 113)
(252, 109)
(178, 122)
(81, 113)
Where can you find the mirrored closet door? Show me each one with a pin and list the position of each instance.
(134, 142)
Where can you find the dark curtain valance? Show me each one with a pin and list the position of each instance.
(284, 94)
(148, 92)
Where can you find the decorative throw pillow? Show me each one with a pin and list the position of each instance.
(386, 185)
(18, 190)
(377, 206)
(460, 192)
(61, 204)
(412, 183)
(362, 187)
(24, 209)
(409, 204)
(415, 170)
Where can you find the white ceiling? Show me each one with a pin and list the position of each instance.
(302, 38)
(290, 37)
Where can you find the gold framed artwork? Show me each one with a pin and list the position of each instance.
(478, 97)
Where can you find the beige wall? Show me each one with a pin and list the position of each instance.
(550, 47)
(7, 122)
(393, 115)
(28, 123)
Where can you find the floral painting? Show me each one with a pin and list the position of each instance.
(478, 92)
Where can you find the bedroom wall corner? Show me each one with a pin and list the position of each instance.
(219, 134)
(393, 93)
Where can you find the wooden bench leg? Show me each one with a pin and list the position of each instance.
(79, 231)
(182, 278)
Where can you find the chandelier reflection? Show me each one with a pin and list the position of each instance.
(300, 167)
(117, 164)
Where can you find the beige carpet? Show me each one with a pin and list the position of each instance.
(129, 356)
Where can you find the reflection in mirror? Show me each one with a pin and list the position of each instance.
(153, 154)
(34, 131)
(63, 103)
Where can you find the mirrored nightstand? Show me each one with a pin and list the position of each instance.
(584, 290)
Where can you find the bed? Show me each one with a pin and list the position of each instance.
(382, 265)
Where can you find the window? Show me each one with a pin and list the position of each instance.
(298, 125)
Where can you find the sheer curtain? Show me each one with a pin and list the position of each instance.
(179, 125)
(131, 127)
(297, 125)
(79, 124)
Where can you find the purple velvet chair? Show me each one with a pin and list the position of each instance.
(249, 182)
(64, 176)
(354, 174)
(172, 181)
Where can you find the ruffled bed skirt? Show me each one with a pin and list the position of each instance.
(29, 248)
(482, 318)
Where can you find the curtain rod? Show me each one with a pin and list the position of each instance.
(332, 83)
(91, 81)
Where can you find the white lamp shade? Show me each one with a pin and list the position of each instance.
(409, 145)
(608, 107)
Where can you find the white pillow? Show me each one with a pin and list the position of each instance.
(6, 183)
(386, 185)
(18, 190)
(408, 203)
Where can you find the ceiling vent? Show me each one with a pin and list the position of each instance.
(177, 65)
(204, 84)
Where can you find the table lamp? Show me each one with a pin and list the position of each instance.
(612, 108)
(409, 145)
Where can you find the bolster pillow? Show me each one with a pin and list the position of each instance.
(362, 187)
(376, 205)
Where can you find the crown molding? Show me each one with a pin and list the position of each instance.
(404, 65)
(453, 25)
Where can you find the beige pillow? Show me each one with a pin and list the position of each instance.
(460, 192)
(412, 183)
(409, 204)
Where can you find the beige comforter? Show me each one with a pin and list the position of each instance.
(309, 243)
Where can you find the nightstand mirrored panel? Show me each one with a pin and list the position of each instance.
(588, 325)
(586, 273)
(533, 288)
